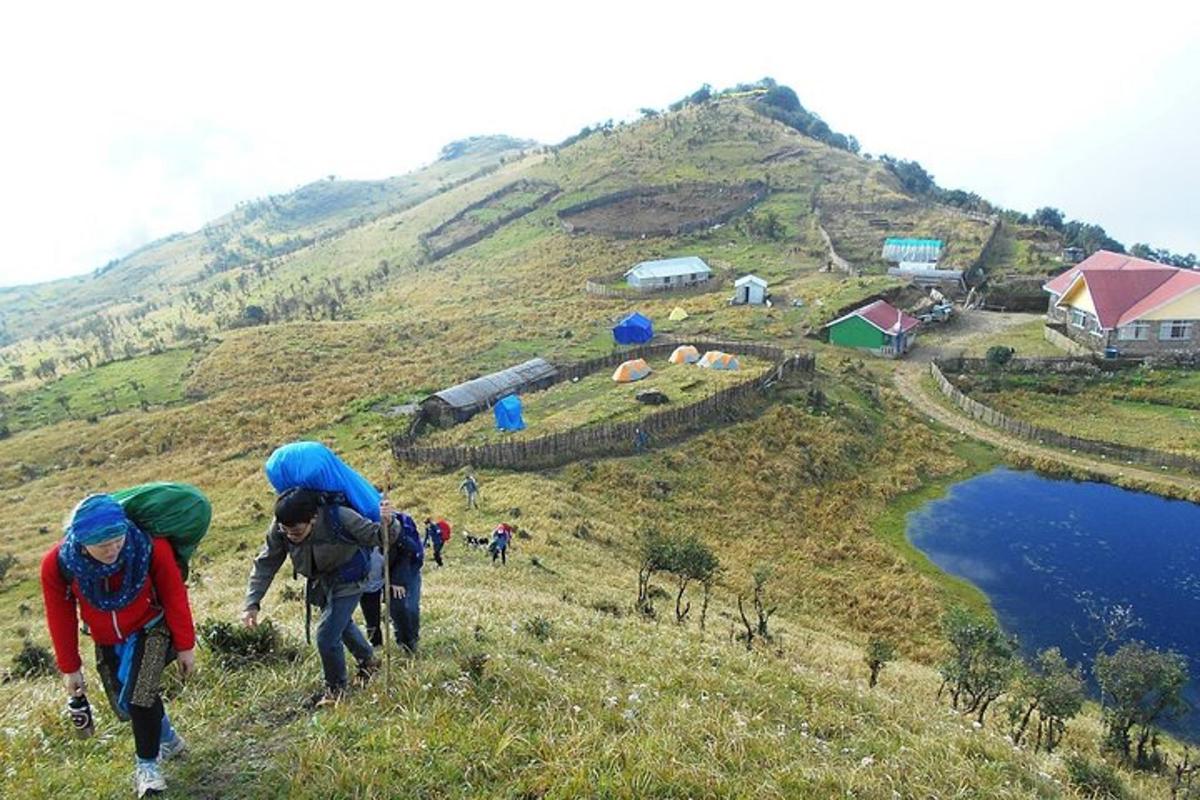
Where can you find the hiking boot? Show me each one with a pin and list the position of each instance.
(148, 779)
(330, 697)
(172, 749)
(367, 670)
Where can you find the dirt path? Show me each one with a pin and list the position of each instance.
(908, 377)
(967, 329)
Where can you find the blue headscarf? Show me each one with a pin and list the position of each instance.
(97, 519)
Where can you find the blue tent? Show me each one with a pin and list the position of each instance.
(312, 465)
(508, 414)
(634, 329)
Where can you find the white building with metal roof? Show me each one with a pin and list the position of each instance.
(668, 273)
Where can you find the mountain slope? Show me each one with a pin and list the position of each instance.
(258, 230)
(538, 679)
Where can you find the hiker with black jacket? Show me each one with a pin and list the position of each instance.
(127, 588)
(330, 545)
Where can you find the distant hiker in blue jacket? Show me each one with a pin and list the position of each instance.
(641, 439)
(433, 536)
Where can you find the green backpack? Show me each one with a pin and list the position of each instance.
(177, 512)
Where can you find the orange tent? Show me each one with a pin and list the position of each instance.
(685, 354)
(715, 359)
(633, 370)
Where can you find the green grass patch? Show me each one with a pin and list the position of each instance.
(597, 398)
(1155, 408)
(146, 381)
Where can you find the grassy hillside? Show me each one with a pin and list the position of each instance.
(160, 292)
(537, 679)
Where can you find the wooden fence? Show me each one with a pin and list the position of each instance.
(1047, 364)
(432, 253)
(609, 439)
(605, 289)
(1046, 436)
(757, 190)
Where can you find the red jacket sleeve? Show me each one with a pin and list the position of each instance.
(61, 614)
(172, 594)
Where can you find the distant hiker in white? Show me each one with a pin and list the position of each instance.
(470, 487)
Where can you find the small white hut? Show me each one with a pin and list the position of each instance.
(749, 290)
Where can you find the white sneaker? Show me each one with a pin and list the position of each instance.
(172, 749)
(148, 779)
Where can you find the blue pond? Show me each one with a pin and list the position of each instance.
(1045, 551)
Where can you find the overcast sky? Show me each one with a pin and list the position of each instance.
(125, 122)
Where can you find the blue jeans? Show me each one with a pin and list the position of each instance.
(406, 612)
(335, 628)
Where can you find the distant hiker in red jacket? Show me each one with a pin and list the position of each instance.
(127, 588)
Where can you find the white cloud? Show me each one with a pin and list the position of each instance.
(131, 122)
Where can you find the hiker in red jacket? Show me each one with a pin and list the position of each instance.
(127, 589)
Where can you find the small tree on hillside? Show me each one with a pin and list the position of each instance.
(690, 560)
(761, 575)
(1143, 687)
(1054, 691)
(982, 664)
(879, 652)
(654, 554)
(1048, 217)
(708, 585)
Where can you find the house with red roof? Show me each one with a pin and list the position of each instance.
(1114, 302)
(879, 327)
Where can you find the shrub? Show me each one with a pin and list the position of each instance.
(607, 607)
(539, 628)
(474, 666)
(7, 561)
(236, 646)
(998, 355)
(1095, 780)
(33, 661)
(879, 652)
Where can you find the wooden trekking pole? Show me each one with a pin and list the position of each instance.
(386, 616)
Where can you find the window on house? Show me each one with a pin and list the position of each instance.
(1079, 318)
(1134, 332)
(665, 280)
(1175, 329)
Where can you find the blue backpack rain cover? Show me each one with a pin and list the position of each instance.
(312, 465)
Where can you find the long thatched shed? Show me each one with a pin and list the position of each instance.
(461, 402)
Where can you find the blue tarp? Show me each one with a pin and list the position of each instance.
(312, 465)
(508, 414)
(634, 329)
